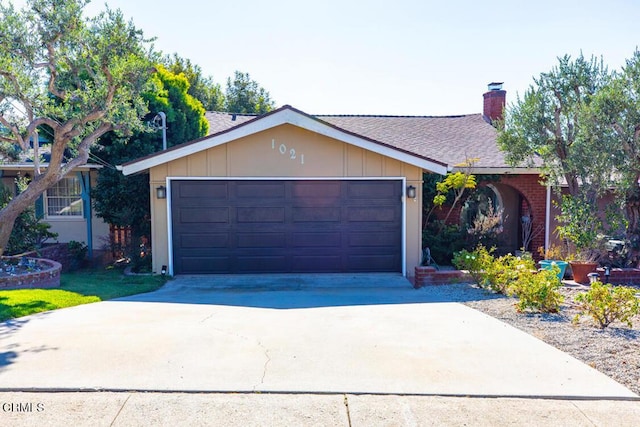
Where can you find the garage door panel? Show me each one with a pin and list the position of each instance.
(287, 226)
(260, 215)
(205, 190)
(373, 214)
(368, 240)
(317, 214)
(204, 215)
(364, 190)
(317, 240)
(260, 190)
(261, 240)
(206, 240)
(311, 189)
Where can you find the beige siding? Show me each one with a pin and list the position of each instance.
(285, 151)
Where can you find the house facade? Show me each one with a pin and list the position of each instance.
(67, 205)
(289, 192)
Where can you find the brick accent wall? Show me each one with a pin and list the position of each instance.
(530, 188)
(536, 194)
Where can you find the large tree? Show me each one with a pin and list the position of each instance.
(202, 88)
(547, 124)
(246, 96)
(615, 122)
(72, 77)
(185, 121)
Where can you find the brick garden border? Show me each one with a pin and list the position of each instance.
(49, 277)
(425, 275)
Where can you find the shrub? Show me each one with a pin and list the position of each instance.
(507, 270)
(77, 253)
(477, 262)
(443, 241)
(537, 291)
(607, 304)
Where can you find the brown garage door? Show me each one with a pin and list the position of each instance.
(286, 226)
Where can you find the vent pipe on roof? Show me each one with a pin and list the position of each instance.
(494, 102)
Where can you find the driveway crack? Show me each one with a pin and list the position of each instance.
(266, 363)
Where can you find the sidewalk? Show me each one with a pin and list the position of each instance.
(97, 409)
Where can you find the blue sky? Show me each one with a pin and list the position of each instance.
(413, 57)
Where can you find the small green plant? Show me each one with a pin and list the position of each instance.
(537, 291)
(607, 304)
(476, 262)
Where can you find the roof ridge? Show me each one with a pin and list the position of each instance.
(232, 114)
(453, 116)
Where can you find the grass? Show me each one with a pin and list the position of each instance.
(76, 288)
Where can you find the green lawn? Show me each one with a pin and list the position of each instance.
(75, 288)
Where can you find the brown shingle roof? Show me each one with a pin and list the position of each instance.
(447, 139)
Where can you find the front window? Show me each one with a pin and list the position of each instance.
(64, 198)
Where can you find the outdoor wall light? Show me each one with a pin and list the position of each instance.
(411, 192)
(161, 192)
(163, 271)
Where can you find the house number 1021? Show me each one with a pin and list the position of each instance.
(289, 152)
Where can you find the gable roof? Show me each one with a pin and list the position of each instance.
(436, 144)
(285, 115)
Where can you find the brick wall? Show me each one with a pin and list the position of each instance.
(621, 276)
(536, 194)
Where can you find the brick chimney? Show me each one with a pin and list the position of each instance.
(494, 101)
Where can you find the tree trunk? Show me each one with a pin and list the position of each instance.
(22, 201)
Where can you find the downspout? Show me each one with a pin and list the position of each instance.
(85, 181)
(547, 220)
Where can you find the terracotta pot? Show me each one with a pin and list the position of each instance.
(580, 270)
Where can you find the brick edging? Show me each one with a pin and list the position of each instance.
(47, 278)
(426, 275)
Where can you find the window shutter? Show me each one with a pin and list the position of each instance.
(40, 207)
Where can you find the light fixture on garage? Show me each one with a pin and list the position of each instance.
(411, 192)
(163, 271)
(161, 192)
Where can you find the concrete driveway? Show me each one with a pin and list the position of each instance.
(369, 334)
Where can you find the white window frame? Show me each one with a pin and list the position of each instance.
(77, 199)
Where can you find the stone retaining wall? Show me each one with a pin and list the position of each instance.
(47, 278)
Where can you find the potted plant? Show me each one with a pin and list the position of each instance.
(581, 227)
(554, 256)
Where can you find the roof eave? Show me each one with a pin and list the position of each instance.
(23, 166)
(499, 170)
